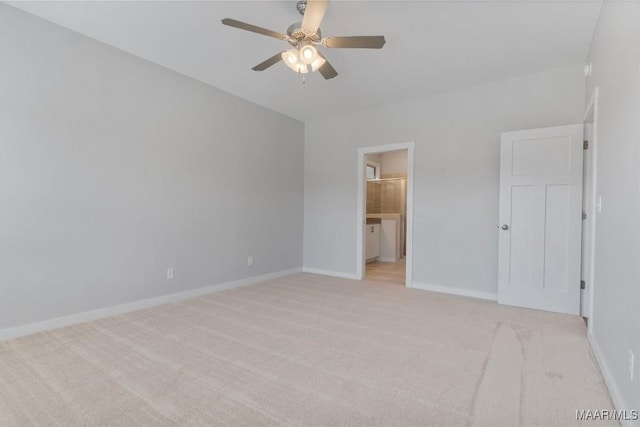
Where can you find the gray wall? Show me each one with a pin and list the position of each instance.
(457, 138)
(113, 169)
(616, 312)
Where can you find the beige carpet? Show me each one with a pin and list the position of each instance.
(306, 350)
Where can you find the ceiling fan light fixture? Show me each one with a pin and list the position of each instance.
(308, 53)
(291, 57)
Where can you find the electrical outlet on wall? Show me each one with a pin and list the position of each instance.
(250, 260)
(631, 363)
(171, 273)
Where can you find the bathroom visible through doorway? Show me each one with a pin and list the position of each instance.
(386, 216)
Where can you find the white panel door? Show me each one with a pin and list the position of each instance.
(540, 218)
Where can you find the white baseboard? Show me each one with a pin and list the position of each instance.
(387, 259)
(59, 322)
(454, 291)
(329, 273)
(616, 395)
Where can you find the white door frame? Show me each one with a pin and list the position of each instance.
(591, 116)
(362, 209)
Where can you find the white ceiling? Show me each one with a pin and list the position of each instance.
(432, 46)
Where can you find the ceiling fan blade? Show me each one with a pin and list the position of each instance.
(327, 70)
(364, 42)
(269, 62)
(313, 15)
(254, 29)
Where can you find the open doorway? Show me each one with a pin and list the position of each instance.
(385, 203)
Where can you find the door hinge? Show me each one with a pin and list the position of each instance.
(582, 284)
(584, 215)
(585, 145)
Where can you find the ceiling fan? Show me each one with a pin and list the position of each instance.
(304, 37)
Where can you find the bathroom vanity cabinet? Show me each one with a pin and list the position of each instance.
(372, 241)
(389, 238)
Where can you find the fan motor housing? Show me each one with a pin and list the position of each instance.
(298, 34)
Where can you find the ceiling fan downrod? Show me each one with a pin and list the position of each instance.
(301, 6)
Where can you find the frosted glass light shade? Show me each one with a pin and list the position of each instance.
(291, 57)
(308, 54)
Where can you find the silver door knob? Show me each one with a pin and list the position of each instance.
(505, 227)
